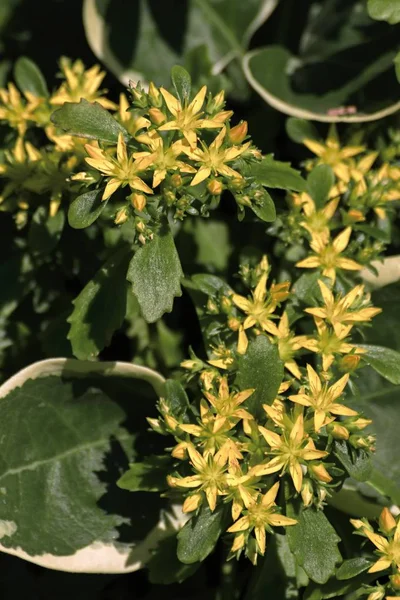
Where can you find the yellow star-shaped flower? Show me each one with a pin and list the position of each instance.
(388, 546)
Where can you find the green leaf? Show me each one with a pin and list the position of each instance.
(307, 290)
(176, 398)
(29, 78)
(100, 308)
(63, 425)
(45, 231)
(397, 66)
(262, 369)
(212, 239)
(385, 10)
(155, 273)
(319, 184)
(265, 208)
(299, 130)
(334, 589)
(352, 567)
(165, 567)
(88, 120)
(276, 174)
(86, 208)
(356, 462)
(182, 83)
(385, 361)
(209, 284)
(197, 539)
(314, 542)
(148, 476)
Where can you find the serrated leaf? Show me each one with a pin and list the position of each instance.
(384, 10)
(356, 462)
(385, 361)
(88, 120)
(197, 539)
(262, 369)
(319, 183)
(147, 476)
(182, 83)
(314, 542)
(100, 308)
(299, 130)
(155, 273)
(276, 174)
(45, 231)
(86, 208)
(29, 78)
(265, 208)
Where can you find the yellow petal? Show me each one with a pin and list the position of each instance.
(260, 537)
(201, 175)
(381, 565)
(278, 520)
(342, 240)
(110, 188)
(172, 103)
(296, 474)
(198, 100)
(269, 498)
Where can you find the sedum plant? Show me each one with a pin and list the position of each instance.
(266, 434)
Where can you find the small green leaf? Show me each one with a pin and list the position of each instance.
(182, 83)
(29, 78)
(385, 361)
(148, 476)
(299, 130)
(85, 209)
(276, 174)
(307, 290)
(356, 462)
(88, 120)
(155, 273)
(265, 208)
(385, 10)
(100, 308)
(176, 398)
(352, 567)
(45, 231)
(314, 542)
(319, 184)
(209, 284)
(197, 539)
(165, 567)
(213, 247)
(262, 369)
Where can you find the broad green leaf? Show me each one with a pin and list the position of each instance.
(267, 71)
(165, 567)
(338, 589)
(100, 308)
(385, 10)
(319, 183)
(45, 231)
(155, 273)
(209, 284)
(276, 174)
(314, 542)
(385, 361)
(265, 208)
(182, 83)
(213, 246)
(85, 209)
(147, 476)
(299, 130)
(176, 398)
(88, 120)
(352, 567)
(262, 369)
(356, 462)
(197, 539)
(29, 78)
(64, 426)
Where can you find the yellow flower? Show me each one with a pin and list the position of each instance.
(80, 84)
(291, 450)
(316, 222)
(227, 405)
(333, 155)
(187, 119)
(222, 357)
(260, 516)
(16, 110)
(210, 476)
(288, 343)
(120, 171)
(19, 165)
(131, 120)
(328, 255)
(388, 548)
(213, 158)
(323, 398)
(162, 159)
(337, 310)
(329, 343)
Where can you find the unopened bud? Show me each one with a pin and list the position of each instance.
(138, 201)
(169, 196)
(338, 432)
(358, 424)
(377, 595)
(226, 304)
(243, 199)
(215, 187)
(217, 102)
(212, 306)
(238, 133)
(355, 216)
(192, 364)
(157, 116)
(357, 523)
(387, 521)
(191, 503)
(154, 95)
(307, 492)
(207, 377)
(395, 581)
(349, 363)
(180, 451)
(156, 425)
(357, 441)
(171, 422)
(176, 180)
(320, 473)
(121, 216)
(237, 183)
(140, 226)
(234, 324)
(142, 239)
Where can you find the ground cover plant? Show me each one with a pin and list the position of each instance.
(199, 349)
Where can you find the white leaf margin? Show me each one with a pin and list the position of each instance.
(98, 557)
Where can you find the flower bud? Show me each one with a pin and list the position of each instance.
(140, 226)
(154, 95)
(215, 187)
(156, 426)
(349, 363)
(238, 133)
(338, 432)
(176, 180)
(157, 116)
(212, 306)
(192, 364)
(395, 581)
(320, 473)
(121, 216)
(355, 216)
(357, 523)
(387, 521)
(243, 199)
(226, 304)
(378, 595)
(170, 197)
(138, 201)
(358, 424)
(307, 492)
(357, 441)
(234, 324)
(217, 102)
(180, 451)
(237, 183)
(207, 377)
(191, 503)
